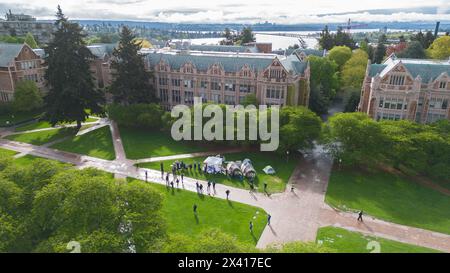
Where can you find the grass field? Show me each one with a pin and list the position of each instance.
(144, 144)
(42, 137)
(390, 197)
(275, 183)
(97, 143)
(6, 153)
(230, 217)
(42, 125)
(18, 117)
(344, 241)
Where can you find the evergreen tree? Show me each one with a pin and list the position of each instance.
(131, 83)
(428, 39)
(380, 50)
(69, 79)
(326, 40)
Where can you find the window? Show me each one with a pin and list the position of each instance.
(176, 98)
(188, 84)
(163, 81)
(230, 86)
(444, 104)
(275, 73)
(397, 80)
(215, 98)
(274, 92)
(176, 82)
(164, 95)
(230, 100)
(32, 77)
(442, 85)
(189, 97)
(204, 84)
(216, 85)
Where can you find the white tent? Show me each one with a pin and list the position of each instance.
(213, 164)
(269, 170)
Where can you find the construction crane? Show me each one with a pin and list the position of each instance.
(349, 26)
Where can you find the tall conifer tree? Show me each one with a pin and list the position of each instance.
(131, 83)
(71, 86)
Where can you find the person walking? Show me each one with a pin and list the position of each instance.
(360, 215)
(252, 188)
(146, 176)
(214, 186)
(265, 187)
(292, 188)
(171, 184)
(178, 182)
(182, 177)
(162, 169)
(269, 217)
(251, 227)
(209, 186)
(197, 185)
(201, 188)
(195, 209)
(167, 179)
(228, 193)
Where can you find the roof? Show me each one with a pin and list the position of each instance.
(100, 50)
(229, 62)
(8, 52)
(307, 51)
(427, 69)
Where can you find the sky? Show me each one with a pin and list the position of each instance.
(238, 11)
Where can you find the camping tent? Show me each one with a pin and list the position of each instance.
(213, 164)
(233, 169)
(269, 170)
(247, 168)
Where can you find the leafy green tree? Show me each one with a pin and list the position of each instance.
(29, 40)
(340, 55)
(137, 115)
(354, 138)
(27, 97)
(414, 50)
(352, 101)
(131, 82)
(354, 70)
(440, 48)
(250, 99)
(343, 38)
(428, 39)
(367, 48)
(299, 127)
(324, 83)
(68, 76)
(247, 35)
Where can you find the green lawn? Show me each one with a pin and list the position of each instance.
(390, 197)
(231, 217)
(344, 241)
(40, 138)
(18, 117)
(146, 143)
(275, 183)
(41, 125)
(6, 153)
(97, 143)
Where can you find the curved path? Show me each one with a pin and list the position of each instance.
(296, 216)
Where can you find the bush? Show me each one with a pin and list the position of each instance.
(137, 115)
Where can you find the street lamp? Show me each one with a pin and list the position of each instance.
(287, 156)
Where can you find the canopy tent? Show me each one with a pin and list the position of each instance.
(269, 170)
(213, 164)
(247, 168)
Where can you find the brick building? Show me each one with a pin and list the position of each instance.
(417, 90)
(227, 77)
(18, 62)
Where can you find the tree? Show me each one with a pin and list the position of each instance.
(299, 127)
(250, 99)
(352, 101)
(27, 97)
(340, 55)
(354, 138)
(29, 40)
(344, 39)
(367, 48)
(354, 70)
(324, 82)
(131, 82)
(68, 76)
(380, 50)
(414, 50)
(440, 48)
(246, 35)
(428, 39)
(326, 40)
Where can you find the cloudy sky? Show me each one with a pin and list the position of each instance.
(238, 11)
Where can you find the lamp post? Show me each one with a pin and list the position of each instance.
(287, 156)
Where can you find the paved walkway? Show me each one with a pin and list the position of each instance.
(296, 216)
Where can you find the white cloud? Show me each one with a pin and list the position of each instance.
(231, 11)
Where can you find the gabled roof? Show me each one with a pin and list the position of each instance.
(230, 63)
(8, 52)
(100, 50)
(427, 69)
(307, 52)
